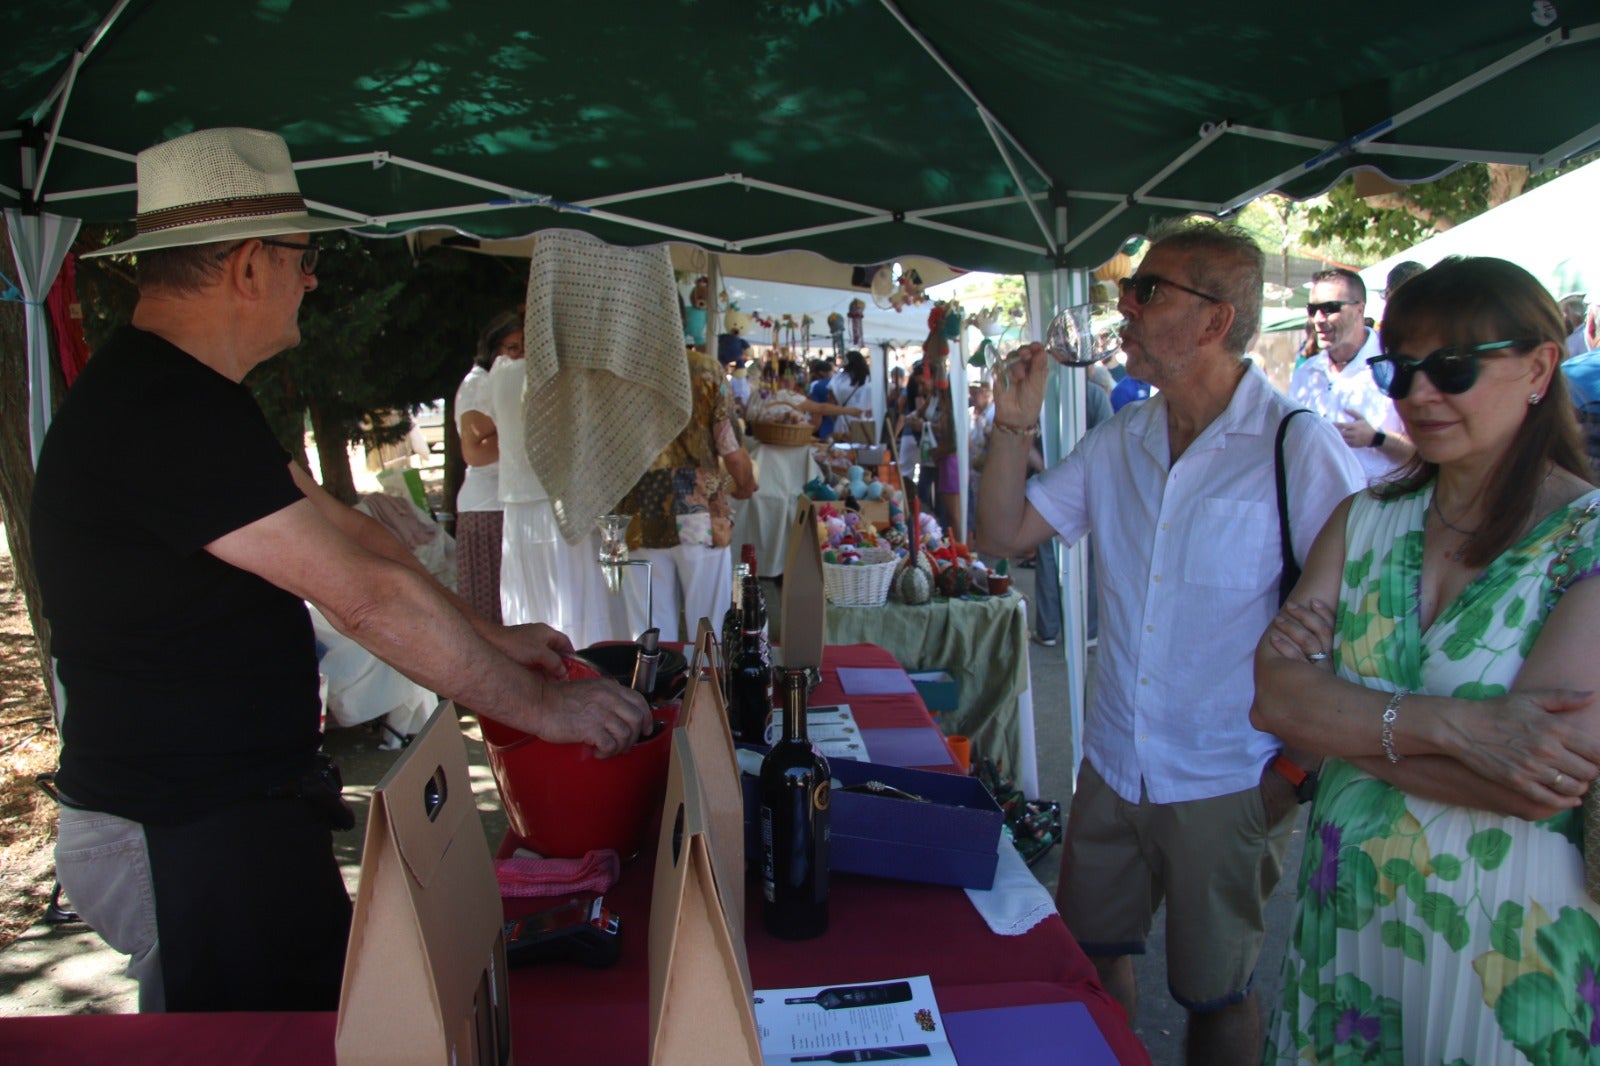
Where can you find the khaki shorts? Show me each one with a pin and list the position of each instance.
(1214, 862)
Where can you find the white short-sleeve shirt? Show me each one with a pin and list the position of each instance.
(1349, 394)
(1188, 560)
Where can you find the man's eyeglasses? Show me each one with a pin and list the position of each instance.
(1329, 308)
(308, 252)
(1142, 288)
(1452, 370)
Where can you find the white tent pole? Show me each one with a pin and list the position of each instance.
(1566, 150)
(39, 243)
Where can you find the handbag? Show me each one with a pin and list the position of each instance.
(1561, 572)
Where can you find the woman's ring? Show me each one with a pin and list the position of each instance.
(1559, 778)
(1317, 656)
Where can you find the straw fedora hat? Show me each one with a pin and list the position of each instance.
(218, 185)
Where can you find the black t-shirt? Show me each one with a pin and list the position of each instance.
(189, 682)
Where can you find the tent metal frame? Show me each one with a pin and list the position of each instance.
(1012, 152)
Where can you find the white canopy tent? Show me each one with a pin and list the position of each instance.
(1553, 232)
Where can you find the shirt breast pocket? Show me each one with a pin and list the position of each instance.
(1227, 539)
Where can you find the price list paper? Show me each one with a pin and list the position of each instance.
(881, 1021)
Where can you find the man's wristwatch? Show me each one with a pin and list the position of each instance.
(1304, 781)
(1378, 438)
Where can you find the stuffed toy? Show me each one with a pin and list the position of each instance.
(858, 312)
(731, 344)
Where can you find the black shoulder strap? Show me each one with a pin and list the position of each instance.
(1290, 573)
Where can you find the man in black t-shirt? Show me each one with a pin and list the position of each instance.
(195, 831)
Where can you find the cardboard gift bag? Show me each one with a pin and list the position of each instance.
(425, 975)
(700, 990)
(804, 602)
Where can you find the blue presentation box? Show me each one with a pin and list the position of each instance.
(953, 839)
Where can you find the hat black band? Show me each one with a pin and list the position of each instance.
(219, 211)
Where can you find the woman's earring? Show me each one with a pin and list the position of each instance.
(1533, 399)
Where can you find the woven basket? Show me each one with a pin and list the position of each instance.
(782, 432)
(863, 584)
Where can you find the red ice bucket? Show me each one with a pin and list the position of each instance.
(563, 801)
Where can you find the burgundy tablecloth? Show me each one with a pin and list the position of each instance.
(566, 1014)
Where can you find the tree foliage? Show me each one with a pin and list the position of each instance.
(383, 331)
(1385, 224)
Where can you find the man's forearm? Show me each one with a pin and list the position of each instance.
(1001, 495)
(416, 625)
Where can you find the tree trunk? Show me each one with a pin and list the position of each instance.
(333, 456)
(455, 468)
(1506, 182)
(16, 461)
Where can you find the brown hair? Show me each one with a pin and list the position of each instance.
(499, 328)
(1476, 300)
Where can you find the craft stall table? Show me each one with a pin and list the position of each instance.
(983, 644)
(764, 519)
(563, 1013)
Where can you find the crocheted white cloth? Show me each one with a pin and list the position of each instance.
(608, 386)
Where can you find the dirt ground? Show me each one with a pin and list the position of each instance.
(27, 749)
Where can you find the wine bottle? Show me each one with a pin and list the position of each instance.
(752, 681)
(859, 995)
(732, 629)
(748, 558)
(870, 1054)
(794, 826)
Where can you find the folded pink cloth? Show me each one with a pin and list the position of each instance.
(595, 872)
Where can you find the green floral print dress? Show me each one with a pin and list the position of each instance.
(1428, 934)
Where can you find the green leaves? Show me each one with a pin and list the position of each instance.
(1489, 847)
(1505, 932)
(1408, 940)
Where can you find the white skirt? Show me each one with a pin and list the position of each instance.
(545, 579)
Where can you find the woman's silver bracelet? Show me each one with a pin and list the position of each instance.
(1018, 431)
(1390, 714)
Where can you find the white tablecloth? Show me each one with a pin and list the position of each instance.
(763, 519)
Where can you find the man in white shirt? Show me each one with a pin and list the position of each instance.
(1337, 383)
(1179, 798)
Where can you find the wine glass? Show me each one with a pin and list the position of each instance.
(1070, 337)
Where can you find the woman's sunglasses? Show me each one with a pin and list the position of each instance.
(1452, 370)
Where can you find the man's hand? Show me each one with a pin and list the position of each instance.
(538, 647)
(1019, 391)
(1357, 434)
(599, 712)
(1277, 796)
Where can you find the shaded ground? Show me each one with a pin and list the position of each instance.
(27, 749)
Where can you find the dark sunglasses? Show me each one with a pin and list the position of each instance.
(1452, 370)
(1329, 308)
(1143, 287)
(308, 252)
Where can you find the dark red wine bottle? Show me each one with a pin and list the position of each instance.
(732, 631)
(794, 791)
(752, 679)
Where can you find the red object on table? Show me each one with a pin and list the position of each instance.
(563, 1013)
(563, 800)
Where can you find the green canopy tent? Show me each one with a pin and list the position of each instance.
(1012, 135)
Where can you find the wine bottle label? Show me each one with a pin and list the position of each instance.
(768, 871)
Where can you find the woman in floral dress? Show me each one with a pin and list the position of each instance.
(1440, 650)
